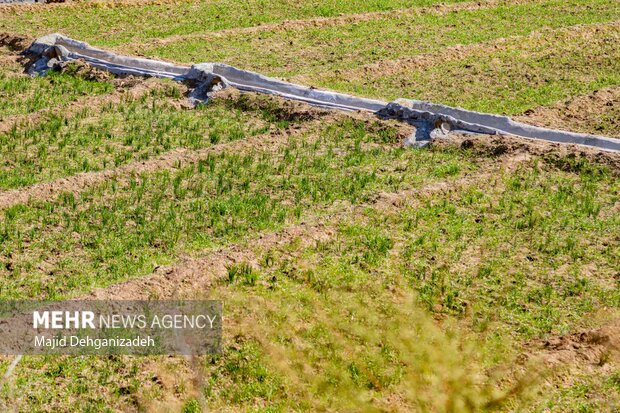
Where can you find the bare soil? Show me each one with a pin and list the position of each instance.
(595, 346)
(79, 68)
(562, 156)
(14, 42)
(599, 111)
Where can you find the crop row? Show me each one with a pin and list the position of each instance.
(131, 129)
(122, 229)
(145, 21)
(520, 74)
(520, 256)
(309, 50)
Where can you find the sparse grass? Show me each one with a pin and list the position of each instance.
(345, 322)
(60, 378)
(22, 95)
(335, 348)
(336, 50)
(339, 351)
(122, 229)
(242, 272)
(435, 269)
(130, 129)
(521, 74)
(335, 314)
(109, 24)
(597, 113)
(518, 254)
(588, 393)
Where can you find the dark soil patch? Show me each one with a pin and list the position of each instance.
(15, 42)
(572, 158)
(79, 68)
(288, 110)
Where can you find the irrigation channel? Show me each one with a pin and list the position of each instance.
(430, 119)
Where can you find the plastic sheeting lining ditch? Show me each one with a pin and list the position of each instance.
(430, 119)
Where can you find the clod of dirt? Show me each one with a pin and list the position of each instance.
(81, 69)
(565, 157)
(280, 108)
(14, 42)
(293, 111)
(596, 347)
(129, 82)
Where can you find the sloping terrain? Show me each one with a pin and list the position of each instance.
(481, 273)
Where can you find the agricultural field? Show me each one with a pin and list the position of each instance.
(481, 273)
